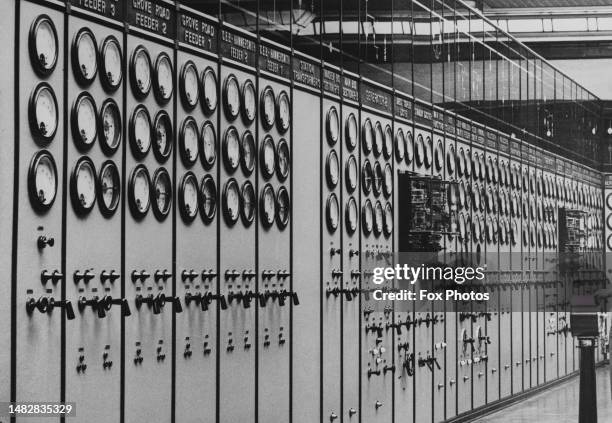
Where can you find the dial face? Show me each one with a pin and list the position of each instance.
(450, 160)
(378, 218)
(111, 63)
(189, 83)
(42, 181)
(388, 145)
(162, 147)
(249, 102)
(162, 193)
(268, 157)
(350, 216)
(208, 145)
(367, 214)
(351, 174)
(43, 45)
(84, 123)
(209, 88)
(400, 145)
(283, 159)
(110, 126)
(164, 78)
(439, 157)
(468, 163)
(109, 188)
(388, 180)
(231, 150)
(350, 132)
(188, 197)
(140, 132)
(332, 213)
(367, 177)
(189, 141)
(268, 108)
(461, 194)
(283, 207)
(140, 72)
(247, 151)
(388, 220)
(367, 136)
(378, 179)
(43, 113)
(609, 222)
(461, 162)
(249, 203)
(231, 202)
(332, 169)
(139, 192)
(428, 152)
(409, 148)
(83, 186)
(332, 126)
(267, 206)
(208, 199)
(283, 112)
(379, 137)
(231, 97)
(84, 56)
(475, 167)
(420, 150)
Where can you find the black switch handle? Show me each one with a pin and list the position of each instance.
(65, 304)
(111, 276)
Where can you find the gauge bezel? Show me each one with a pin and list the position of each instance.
(246, 219)
(162, 98)
(230, 219)
(388, 210)
(351, 142)
(33, 194)
(207, 181)
(136, 151)
(225, 152)
(428, 156)
(267, 220)
(331, 140)
(39, 68)
(80, 209)
(106, 83)
(420, 151)
(409, 148)
(351, 227)
(366, 210)
(187, 161)
(387, 142)
(378, 226)
(377, 178)
(283, 127)
(189, 65)
(351, 184)
(108, 149)
(248, 85)
(282, 174)
(367, 177)
(109, 211)
(367, 148)
(439, 157)
(136, 90)
(267, 121)
(331, 159)
(39, 137)
(267, 172)
(185, 215)
(379, 139)
(400, 145)
(247, 168)
(282, 193)
(74, 122)
(231, 79)
(450, 160)
(207, 106)
(387, 188)
(332, 198)
(81, 79)
(207, 162)
(136, 212)
(162, 156)
(161, 215)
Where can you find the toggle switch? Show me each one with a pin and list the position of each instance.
(334, 251)
(163, 275)
(107, 302)
(65, 304)
(208, 274)
(93, 303)
(142, 276)
(209, 297)
(111, 276)
(85, 276)
(41, 305)
(231, 275)
(162, 299)
(42, 242)
(248, 274)
(54, 276)
(196, 298)
(148, 300)
(189, 275)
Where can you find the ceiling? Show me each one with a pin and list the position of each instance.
(539, 4)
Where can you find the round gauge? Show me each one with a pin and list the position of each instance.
(231, 202)
(247, 153)
(140, 132)
(267, 205)
(188, 197)
(489, 169)
(332, 169)
(420, 150)
(139, 192)
(83, 186)
(162, 147)
(140, 72)
(208, 145)
(367, 136)
(43, 45)
(111, 64)
(450, 160)
(332, 213)
(84, 56)
(378, 139)
(350, 216)
(350, 132)
(231, 150)
(162, 193)
(468, 164)
(452, 196)
(400, 145)
(388, 220)
(350, 174)
(476, 233)
(208, 199)
(461, 162)
(367, 177)
(388, 145)
(249, 102)
(462, 228)
(283, 208)
(513, 233)
(387, 180)
(189, 85)
(189, 141)
(231, 97)
(283, 112)
(378, 178)
(496, 171)
(282, 159)
(109, 188)
(428, 153)
(43, 113)
(378, 218)
(164, 79)
(483, 170)
(249, 203)
(439, 157)
(409, 148)
(609, 222)
(532, 187)
(267, 107)
(475, 166)
(476, 196)
(461, 194)
(332, 126)
(609, 201)
(110, 126)
(268, 157)
(84, 121)
(209, 91)
(42, 181)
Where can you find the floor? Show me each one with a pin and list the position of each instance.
(558, 404)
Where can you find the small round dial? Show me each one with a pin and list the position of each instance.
(428, 153)
(139, 192)
(208, 199)
(189, 85)
(450, 160)
(350, 132)
(188, 197)
(283, 112)
(268, 157)
(267, 206)
(461, 162)
(283, 207)
(83, 186)
(164, 78)
(189, 141)
(350, 173)
(388, 142)
(140, 132)
(388, 220)
(378, 179)
(409, 148)
(468, 164)
(420, 150)
(367, 177)
(84, 121)
(162, 129)
(267, 108)
(43, 45)
(162, 193)
(350, 216)
(400, 145)
(367, 136)
(140, 72)
(209, 91)
(387, 180)
(42, 181)
(283, 159)
(332, 169)
(231, 202)
(247, 153)
(248, 203)
(332, 126)
(475, 167)
(249, 102)
(43, 113)
(110, 126)
(378, 218)
(208, 145)
(379, 139)
(367, 221)
(439, 157)
(332, 213)
(109, 188)
(231, 150)
(231, 97)
(84, 56)
(111, 64)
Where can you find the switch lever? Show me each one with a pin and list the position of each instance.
(65, 304)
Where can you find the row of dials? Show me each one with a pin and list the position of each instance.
(375, 217)
(240, 202)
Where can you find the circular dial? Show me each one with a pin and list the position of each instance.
(350, 132)
(400, 145)
(367, 176)
(609, 222)
(111, 64)
(140, 72)
(378, 177)
(388, 145)
(450, 160)
(231, 150)
(188, 197)
(247, 151)
(162, 147)
(164, 86)
(189, 141)
(367, 213)
(267, 205)
(249, 203)
(231, 97)
(83, 186)
(388, 220)
(351, 174)
(84, 56)
(249, 102)
(209, 89)
(110, 126)
(43, 45)
(282, 159)
(609, 201)
(140, 132)
(332, 213)
(332, 126)
(43, 113)
(267, 108)
(367, 136)
(208, 145)
(387, 180)
(332, 169)
(468, 164)
(461, 162)
(283, 207)
(461, 194)
(428, 152)
(350, 216)
(420, 150)
(439, 157)
(84, 121)
(378, 218)
(378, 139)
(189, 85)
(409, 148)
(268, 157)
(162, 193)
(231, 202)
(42, 181)
(283, 112)
(139, 192)
(208, 199)
(109, 188)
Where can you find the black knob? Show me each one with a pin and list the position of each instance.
(208, 274)
(54, 276)
(162, 275)
(143, 275)
(85, 276)
(111, 276)
(188, 275)
(65, 304)
(94, 303)
(148, 300)
(41, 305)
(107, 302)
(334, 251)
(162, 299)
(43, 242)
